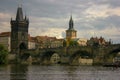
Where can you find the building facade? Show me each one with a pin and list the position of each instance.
(31, 43)
(95, 41)
(48, 42)
(19, 32)
(82, 42)
(57, 43)
(5, 40)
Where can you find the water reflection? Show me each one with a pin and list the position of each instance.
(37, 72)
(4, 73)
(18, 72)
(70, 72)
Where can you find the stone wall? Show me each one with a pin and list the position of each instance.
(83, 61)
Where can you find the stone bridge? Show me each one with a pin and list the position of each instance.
(72, 55)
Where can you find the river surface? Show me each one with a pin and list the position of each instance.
(38, 72)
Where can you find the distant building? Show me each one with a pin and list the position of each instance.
(82, 42)
(48, 42)
(71, 33)
(102, 41)
(57, 43)
(31, 43)
(5, 40)
(95, 41)
(44, 41)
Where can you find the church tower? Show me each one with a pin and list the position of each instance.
(71, 32)
(19, 32)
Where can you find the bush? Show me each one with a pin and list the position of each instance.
(3, 55)
(73, 43)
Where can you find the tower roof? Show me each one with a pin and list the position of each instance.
(19, 15)
(71, 24)
(71, 19)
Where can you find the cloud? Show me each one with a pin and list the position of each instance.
(53, 32)
(51, 17)
(114, 11)
(101, 11)
(4, 22)
(44, 22)
(4, 26)
(110, 32)
(96, 11)
(4, 15)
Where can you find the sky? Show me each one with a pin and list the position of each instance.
(51, 17)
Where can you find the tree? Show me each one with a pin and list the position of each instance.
(73, 43)
(3, 55)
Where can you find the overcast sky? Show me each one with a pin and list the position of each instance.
(51, 17)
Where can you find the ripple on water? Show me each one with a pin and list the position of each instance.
(36, 72)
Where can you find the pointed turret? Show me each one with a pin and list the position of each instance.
(19, 15)
(71, 24)
(25, 17)
(11, 19)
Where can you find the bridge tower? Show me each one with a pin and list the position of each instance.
(71, 33)
(19, 32)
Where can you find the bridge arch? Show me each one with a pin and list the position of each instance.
(50, 57)
(22, 46)
(55, 58)
(25, 56)
(78, 55)
(114, 55)
(115, 52)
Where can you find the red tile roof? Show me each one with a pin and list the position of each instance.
(5, 34)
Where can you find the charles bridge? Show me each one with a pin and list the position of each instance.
(67, 55)
(70, 55)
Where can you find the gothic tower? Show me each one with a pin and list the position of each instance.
(71, 32)
(19, 32)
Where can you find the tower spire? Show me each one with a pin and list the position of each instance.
(71, 24)
(19, 15)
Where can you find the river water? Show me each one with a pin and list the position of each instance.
(57, 72)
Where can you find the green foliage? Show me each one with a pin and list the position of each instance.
(3, 55)
(73, 43)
